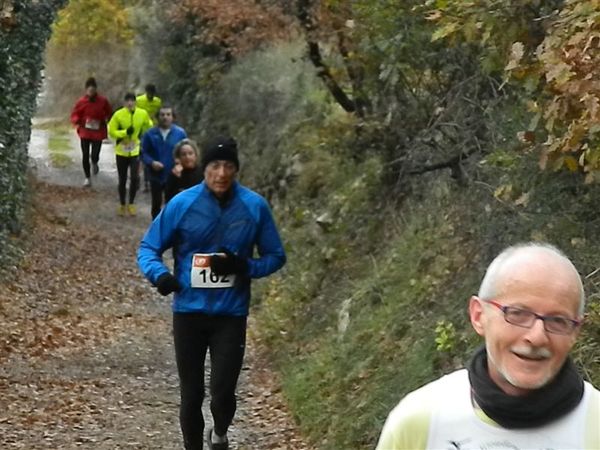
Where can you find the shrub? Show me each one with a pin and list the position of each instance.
(24, 30)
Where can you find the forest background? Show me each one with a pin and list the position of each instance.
(402, 145)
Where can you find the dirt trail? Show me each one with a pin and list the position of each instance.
(86, 357)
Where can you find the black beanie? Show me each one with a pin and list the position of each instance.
(221, 148)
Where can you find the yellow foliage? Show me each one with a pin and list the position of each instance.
(568, 58)
(504, 192)
(91, 23)
(557, 64)
(571, 163)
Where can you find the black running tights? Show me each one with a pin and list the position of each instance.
(157, 191)
(85, 154)
(123, 164)
(225, 337)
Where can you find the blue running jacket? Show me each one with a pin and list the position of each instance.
(194, 222)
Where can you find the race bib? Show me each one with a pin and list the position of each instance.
(202, 277)
(92, 124)
(129, 146)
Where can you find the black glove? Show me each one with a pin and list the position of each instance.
(228, 264)
(130, 131)
(167, 283)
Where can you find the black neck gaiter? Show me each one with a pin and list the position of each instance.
(224, 199)
(535, 409)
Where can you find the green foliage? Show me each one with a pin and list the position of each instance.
(445, 339)
(166, 53)
(58, 143)
(24, 29)
(359, 324)
(377, 258)
(430, 100)
(492, 24)
(384, 311)
(59, 147)
(548, 48)
(265, 100)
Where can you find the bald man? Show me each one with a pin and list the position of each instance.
(520, 390)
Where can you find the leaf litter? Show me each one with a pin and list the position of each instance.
(86, 357)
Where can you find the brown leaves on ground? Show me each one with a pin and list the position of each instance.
(85, 342)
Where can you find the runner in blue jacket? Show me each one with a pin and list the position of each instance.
(157, 154)
(214, 228)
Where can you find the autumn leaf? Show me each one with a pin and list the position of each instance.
(434, 15)
(503, 192)
(444, 31)
(516, 54)
(526, 137)
(523, 199)
(571, 163)
(559, 73)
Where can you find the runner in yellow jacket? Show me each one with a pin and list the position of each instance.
(125, 127)
(151, 103)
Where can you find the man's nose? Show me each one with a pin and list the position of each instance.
(537, 334)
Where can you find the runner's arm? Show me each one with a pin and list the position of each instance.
(107, 110)
(270, 249)
(147, 124)
(113, 129)
(158, 238)
(76, 113)
(146, 150)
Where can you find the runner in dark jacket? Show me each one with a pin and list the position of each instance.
(187, 171)
(157, 154)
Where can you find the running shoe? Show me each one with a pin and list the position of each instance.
(121, 210)
(132, 210)
(214, 445)
(87, 183)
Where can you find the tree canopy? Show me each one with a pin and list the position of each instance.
(90, 23)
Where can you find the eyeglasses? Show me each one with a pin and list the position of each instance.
(526, 319)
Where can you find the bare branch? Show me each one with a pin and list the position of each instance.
(306, 19)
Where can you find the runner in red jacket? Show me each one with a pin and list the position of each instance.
(89, 115)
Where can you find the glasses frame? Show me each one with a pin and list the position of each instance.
(504, 308)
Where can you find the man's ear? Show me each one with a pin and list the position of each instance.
(477, 315)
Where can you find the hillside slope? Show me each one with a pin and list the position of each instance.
(373, 301)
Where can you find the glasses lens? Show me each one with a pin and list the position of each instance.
(558, 325)
(518, 316)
